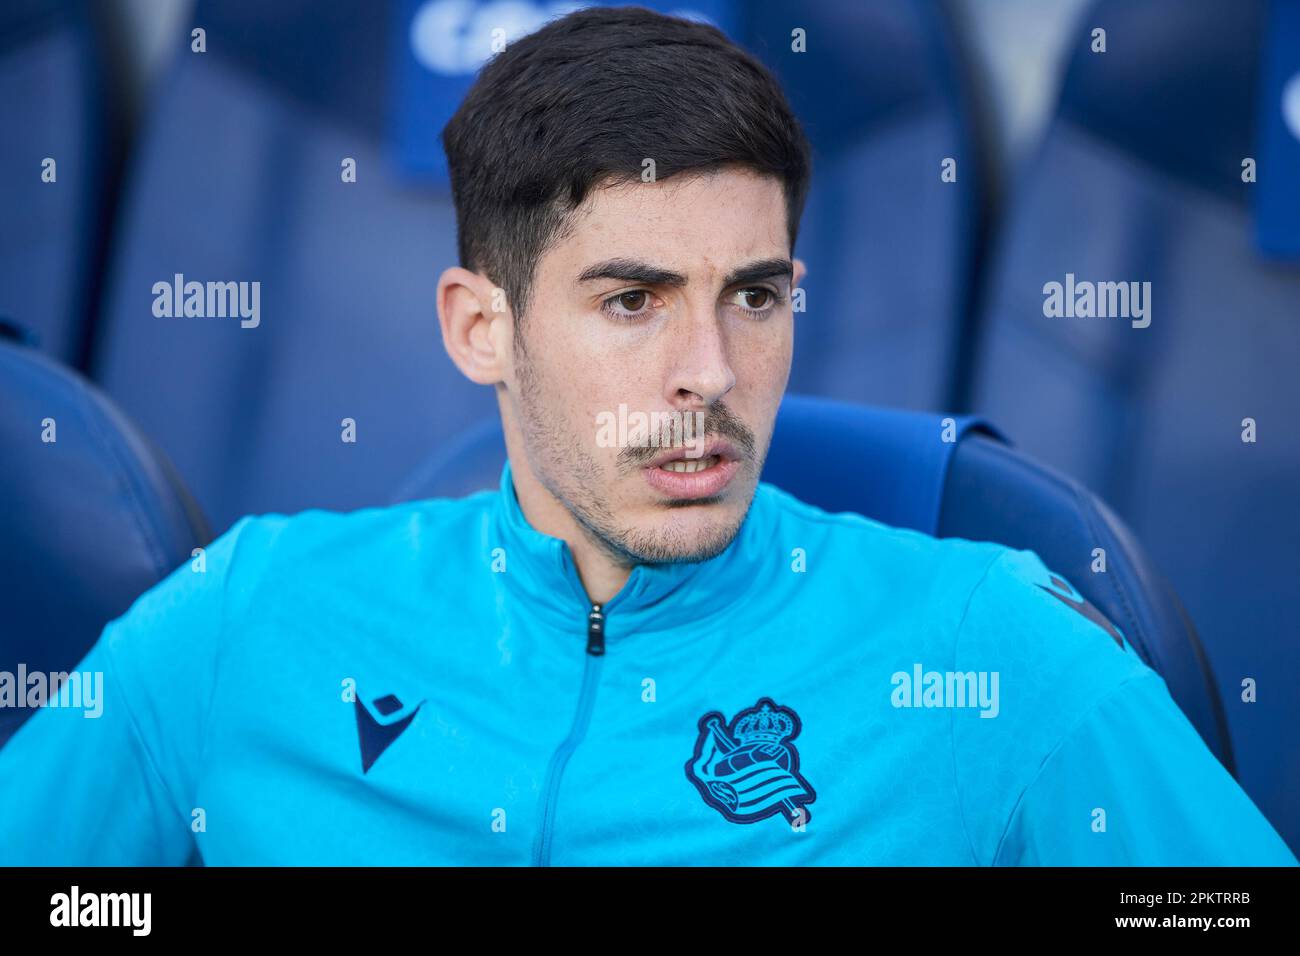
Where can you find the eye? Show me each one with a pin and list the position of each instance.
(627, 305)
(758, 299)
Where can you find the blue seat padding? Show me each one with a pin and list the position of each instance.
(239, 179)
(54, 103)
(889, 246)
(88, 522)
(890, 464)
(1139, 179)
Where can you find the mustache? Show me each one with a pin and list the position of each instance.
(719, 422)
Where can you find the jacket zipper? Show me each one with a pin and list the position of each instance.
(586, 700)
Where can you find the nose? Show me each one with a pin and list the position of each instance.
(701, 373)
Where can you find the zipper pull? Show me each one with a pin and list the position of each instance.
(595, 631)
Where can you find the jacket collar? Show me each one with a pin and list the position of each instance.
(540, 572)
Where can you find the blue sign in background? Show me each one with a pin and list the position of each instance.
(439, 47)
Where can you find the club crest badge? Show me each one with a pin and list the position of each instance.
(749, 770)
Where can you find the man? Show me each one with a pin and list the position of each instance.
(632, 652)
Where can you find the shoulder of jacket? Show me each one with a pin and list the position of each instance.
(285, 533)
(966, 559)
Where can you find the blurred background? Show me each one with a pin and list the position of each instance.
(1173, 157)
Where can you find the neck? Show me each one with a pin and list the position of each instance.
(602, 575)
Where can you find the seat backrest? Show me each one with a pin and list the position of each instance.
(248, 138)
(949, 476)
(57, 169)
(91, 516)
(1143, 178)
(889, 241)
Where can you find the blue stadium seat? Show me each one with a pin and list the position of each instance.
(238, 178)
(88, 521)
(1139, 178)
(894, 466)
(54, 104)
(890, 247)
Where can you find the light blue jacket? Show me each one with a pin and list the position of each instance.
(429, 684)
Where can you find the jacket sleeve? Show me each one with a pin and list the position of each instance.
(1087, 760)
(113, 783)
(1133, 784)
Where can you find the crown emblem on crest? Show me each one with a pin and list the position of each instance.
(766, 725)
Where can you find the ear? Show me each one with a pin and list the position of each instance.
(476, 336)
(800, 270)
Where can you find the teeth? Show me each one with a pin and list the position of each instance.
(688, 466)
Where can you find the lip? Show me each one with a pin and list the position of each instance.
(699, 484)
(714, 446)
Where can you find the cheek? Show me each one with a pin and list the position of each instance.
(582, 352)
(766, 358)
(571, 399)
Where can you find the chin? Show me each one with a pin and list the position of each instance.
(677, 537)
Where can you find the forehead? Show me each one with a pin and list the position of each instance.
(696, 224)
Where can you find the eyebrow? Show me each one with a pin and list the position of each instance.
(632, 270)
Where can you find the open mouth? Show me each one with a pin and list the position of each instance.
(689, 466)
(676, 476)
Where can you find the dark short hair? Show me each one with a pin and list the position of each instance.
(586, 99)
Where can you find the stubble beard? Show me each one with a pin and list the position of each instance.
(576, 482)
